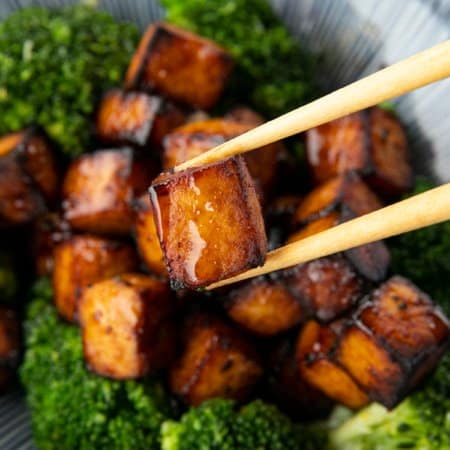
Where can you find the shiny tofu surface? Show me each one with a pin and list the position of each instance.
(180, 65)
(264, 307)
(99, 190)
(83, 260)
(123, 320)
(209, 223)
(215, 361)
(29, 177)
(314, 353)
(146, 236)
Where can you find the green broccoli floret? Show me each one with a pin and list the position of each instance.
(421, 422)
(272, 73)
(8, 280)
(71, 407)
(424, 256)
(216, 424)
(54, 64)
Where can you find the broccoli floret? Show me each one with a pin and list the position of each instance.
(8, 280)
(272, 73)
(424, 256)
(73, 408)
(54, 64)
(216, 424)
(420, 422)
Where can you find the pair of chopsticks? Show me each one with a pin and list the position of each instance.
(416, 212)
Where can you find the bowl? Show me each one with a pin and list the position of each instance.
(350, 39)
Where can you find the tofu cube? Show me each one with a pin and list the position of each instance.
(179, 65)
(264, 307)
(29, 178)
(9, 345)
(83, 260)
(371, 142)
(396, 337)
(327, 286)
(135, 118)
(146, 236)
(195, 138)
(125, 325)
(209, 223)
(215, 361)
(314, 354)
(244, 114)
(100, 188)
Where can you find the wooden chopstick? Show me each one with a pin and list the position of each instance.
(413, 213)
(414, 72)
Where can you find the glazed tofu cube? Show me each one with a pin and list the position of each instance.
(9, 344)
(122, 320)
(314, 351)
(28, 176)
(49, 230)
(327, 286)
(209, 223)
(195, 138)
(392, 172)
(83, 260)
(146, 236)
(264, 307)
(243, 114)
(215, 361)
(135, 118)
(180, 65)
(371, 142)
(100, 188)
(397, 337)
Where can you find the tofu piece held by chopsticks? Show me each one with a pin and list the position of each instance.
(179, 65)
(209, 223)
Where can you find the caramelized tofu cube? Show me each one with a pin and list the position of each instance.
(49, 230)
(328, 286)
(195, 138)
(28, 176)
(147, 241)
(317, 226)
(121, 320)
(9, 344)
(135, 118)
(392, 172)
(371, 142)
(83, 260)
(216, 361)
(243, 114)
(314, 351)
(100, 188)
(265, 307)
(180, 65)
(396, 338)
(209, 223)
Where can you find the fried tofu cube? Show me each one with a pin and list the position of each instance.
(121, 320)
(327, 286)
(209, 223)
(180, 65)
(396, 337)
(135, 118)
(83, 260)
(146, 236)
(100, 188)
(264, 307)
(9, 344)
(195, 138)
(314, 350)
(28, 176)
(215, 361)
(371, 142)
(243, 114)
(49, 230)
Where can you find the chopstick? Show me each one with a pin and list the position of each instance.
(414, 72)
(413, 213)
